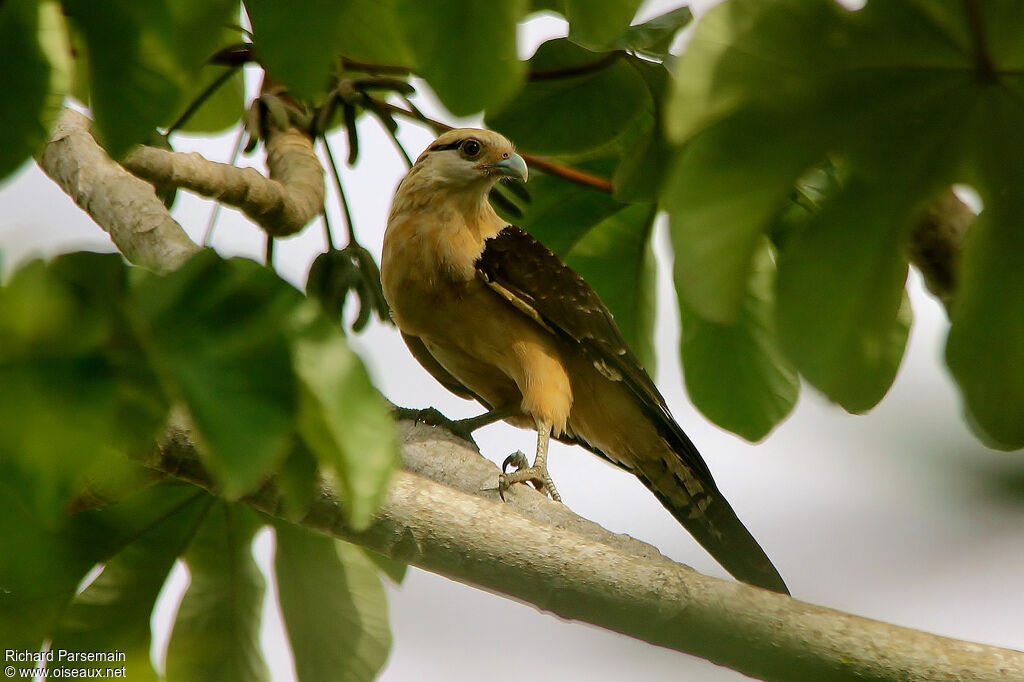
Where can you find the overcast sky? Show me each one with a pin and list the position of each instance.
(894, 515)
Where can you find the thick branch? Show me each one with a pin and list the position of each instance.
(122, 204)
(282, 204)
(536, 551)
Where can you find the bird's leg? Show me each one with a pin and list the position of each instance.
(471, 424)
(463, 428)
(536, 474)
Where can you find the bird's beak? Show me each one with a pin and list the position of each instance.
(512, 167)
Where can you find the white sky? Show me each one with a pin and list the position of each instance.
(886, 515)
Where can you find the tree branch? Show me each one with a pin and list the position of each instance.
(122, 204)
(537, 551)
(282, 204)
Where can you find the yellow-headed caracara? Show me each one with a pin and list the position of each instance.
(494, 315)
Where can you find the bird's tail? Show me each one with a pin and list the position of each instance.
(695, 501)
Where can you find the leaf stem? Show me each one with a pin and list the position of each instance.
(983, 64)
(201, 98)
(345, 210)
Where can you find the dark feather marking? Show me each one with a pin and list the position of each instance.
(564, 300)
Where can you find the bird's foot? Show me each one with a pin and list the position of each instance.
(432, 417)
(536, 475)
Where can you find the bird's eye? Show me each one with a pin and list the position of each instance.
(471, 148)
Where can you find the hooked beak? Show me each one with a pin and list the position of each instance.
(512, 167)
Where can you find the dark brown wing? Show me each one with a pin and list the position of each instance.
(562, 300)
(538, 283)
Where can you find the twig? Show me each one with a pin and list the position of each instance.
(345, 210)
(983, 64)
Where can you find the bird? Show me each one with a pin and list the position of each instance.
(497, 317)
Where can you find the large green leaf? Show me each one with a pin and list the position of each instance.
(466, 49)
(735, 373)
(142, 56)
(342, 418)
(224, 106)
(215, 330)
(842, 315)
(216, 633)
(26, 75)
(297, 43)
(575, 101)
(371, 32)
(113, 613)
(42, 561)
(768, 90)
(334, 607)
(986, 341)
(78, 390)
(596, 23)
(645, 155)
(724, 190)
(39, 568)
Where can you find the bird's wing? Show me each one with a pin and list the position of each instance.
(443, 376)
(538, 283)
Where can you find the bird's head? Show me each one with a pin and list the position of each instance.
(471, 159)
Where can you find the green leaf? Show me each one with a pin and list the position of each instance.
(554, 113)
(39, 568)
(297, 45)
(142, 58)
(78, 390)
(758, 101)
(655, 36)
(297, 480)
(342, 418)
(645, 156)
(135, 83)
(596, 23)
(465, 49)
(224, 107)
(393, 569)
(724, 190)
(42, 561)
(334, 607)
(735, 374)
(215, 332)
(843, 317)
(371, 32)
(987, 335)
(615, 258)
(26, 72)
(216, 633)
(113, 613)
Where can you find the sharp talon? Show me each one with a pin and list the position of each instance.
(516, 459)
